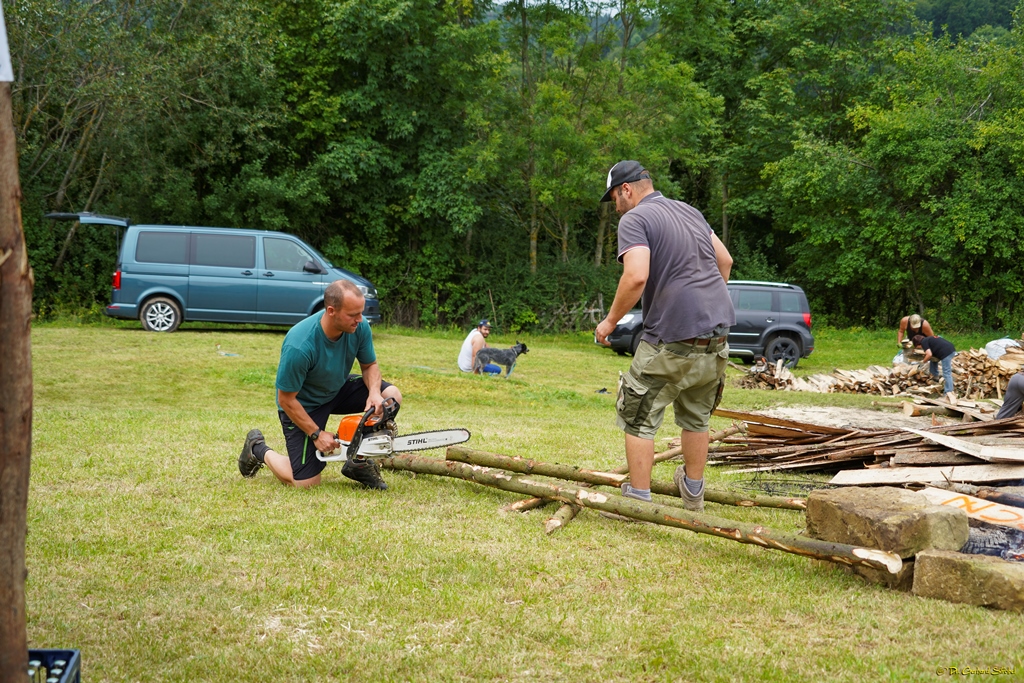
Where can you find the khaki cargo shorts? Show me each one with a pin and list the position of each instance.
(689, 377)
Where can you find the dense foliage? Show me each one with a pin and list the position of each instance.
(453, 151)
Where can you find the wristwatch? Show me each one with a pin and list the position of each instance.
(315, 435)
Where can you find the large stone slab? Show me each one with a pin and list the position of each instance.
(886, 518)
(972, 579)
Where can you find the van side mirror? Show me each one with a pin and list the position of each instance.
(311, 267)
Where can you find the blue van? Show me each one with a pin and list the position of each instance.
(169, 274)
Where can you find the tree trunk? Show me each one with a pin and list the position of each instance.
(15, 403)
(650, 512)
(596, 478)
(88, 205)
(602, 228)
(534, 229)
(725, 209)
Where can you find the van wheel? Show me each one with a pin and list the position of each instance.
(785, 348)
(160, 314)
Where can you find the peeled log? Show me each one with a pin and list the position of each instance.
(532, 503)
(916, 410)
(526, 505)
(562, 516)
(596, 478)
(650, 512)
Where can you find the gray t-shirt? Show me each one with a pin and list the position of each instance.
(685, 295)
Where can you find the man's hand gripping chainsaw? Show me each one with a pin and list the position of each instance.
(375, 436)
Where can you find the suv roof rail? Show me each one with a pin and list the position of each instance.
(785, 285)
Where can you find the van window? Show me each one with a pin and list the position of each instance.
(162, 247)
(790, 302)
(754, 301)
(227, 251)
(284, 255)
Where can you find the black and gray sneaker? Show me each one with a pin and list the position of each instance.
(248, 465)
(366, 472)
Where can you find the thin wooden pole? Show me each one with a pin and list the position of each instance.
(595, 478)
(15, 403)
(727, 499)
(651, 512)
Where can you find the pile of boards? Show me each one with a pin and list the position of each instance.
(975, 375)
(881, 455)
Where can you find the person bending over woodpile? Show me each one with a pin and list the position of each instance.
(1014, 397)
(943, 351)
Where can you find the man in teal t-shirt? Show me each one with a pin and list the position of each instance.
(313, 383)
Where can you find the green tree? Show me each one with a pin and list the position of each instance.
(924, 211)
(139, 109)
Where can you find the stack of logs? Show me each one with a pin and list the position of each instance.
(975, 376)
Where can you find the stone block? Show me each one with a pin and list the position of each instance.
(971, 579)
(886, 518)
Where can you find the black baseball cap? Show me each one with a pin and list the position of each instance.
(484, 323)
(624, 172)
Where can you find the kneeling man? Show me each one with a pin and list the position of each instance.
(313, 383)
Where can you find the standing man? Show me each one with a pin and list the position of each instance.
(475, 341)
(313, 382)
(911, 326)
(671, 256)
(937, 348)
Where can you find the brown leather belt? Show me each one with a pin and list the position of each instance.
(702, 342)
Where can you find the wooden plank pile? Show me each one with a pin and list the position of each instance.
(773, 444)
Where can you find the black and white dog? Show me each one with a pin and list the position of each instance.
(506, 357)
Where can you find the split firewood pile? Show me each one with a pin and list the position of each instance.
(773, 444)
(975, 376)
(902, 379)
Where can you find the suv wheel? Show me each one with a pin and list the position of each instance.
(635, 341)
(785, 348)
(160, 314)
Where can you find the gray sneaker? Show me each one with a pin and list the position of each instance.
(248, 465)
(694, 503)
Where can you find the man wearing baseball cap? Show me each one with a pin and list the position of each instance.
(911, 326)
(672, 257)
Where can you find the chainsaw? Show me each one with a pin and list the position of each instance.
(375, 436)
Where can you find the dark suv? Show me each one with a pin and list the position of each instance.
(772, 320)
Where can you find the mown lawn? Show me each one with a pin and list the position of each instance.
(150, 553)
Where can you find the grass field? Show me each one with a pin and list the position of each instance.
(150, 553)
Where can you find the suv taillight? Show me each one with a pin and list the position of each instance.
(807, 319)
(117, 279)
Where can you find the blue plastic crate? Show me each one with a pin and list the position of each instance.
(48, 658)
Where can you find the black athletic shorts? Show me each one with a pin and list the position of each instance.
(350, 399)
